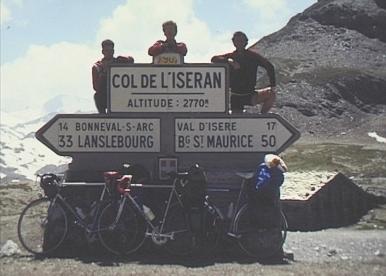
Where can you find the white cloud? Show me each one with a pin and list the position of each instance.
(18, 3)
(272, 15)
(44, 72)
(5, 11)
(268, 8)
(5, 14)
(136, 25)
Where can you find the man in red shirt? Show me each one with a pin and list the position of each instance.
(99, 73)
(243, 73)
(170, 45)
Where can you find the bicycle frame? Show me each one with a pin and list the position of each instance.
(91, 228)
(237, 207)
(159, 228)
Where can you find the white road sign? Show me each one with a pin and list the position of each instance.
(187, 88)
(72, 134)
(231, 134)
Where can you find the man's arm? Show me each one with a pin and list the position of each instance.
(220, 58)
(123, 59)
(95, 79)
(181, 48)
(226, 58)
(162, 46)
(262, 61)
(156, 49)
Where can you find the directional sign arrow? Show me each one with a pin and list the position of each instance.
(67, 134)
(245, 133)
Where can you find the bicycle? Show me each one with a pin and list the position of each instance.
(254, 240)
(45, 222)
(126, 225)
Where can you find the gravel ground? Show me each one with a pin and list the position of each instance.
(68, 267)
(344, 251)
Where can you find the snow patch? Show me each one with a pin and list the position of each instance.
(22, 155)
(10, 248)
(378, 138)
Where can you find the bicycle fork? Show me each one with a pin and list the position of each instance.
(155, 233)
(231, 232)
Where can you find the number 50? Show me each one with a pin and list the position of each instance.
(268, 140)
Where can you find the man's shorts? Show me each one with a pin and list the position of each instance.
(239, 100)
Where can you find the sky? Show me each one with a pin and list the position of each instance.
(49, 46)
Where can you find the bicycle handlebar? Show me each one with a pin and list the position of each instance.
(179, 175)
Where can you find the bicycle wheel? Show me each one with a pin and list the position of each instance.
(177, 224)
(120, 235)
(42, 226)
(256, 241)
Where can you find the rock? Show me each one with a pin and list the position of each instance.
(332, 252)
(289, 255)
(9, 248)
(330, 66)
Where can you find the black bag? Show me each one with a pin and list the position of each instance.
(193, 192)
(49, 184)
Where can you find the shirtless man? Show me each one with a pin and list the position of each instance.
(243, 74)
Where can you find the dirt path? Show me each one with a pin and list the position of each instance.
(76, 267)
(344, 251)
(333, 245)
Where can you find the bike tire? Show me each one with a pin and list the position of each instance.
(42, 226)
(126, 235)
(211, 233)
(258, 242)
(176, 223)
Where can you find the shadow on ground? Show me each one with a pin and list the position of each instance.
(152, 255)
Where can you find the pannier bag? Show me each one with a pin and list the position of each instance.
(49, 184)
(193, 192)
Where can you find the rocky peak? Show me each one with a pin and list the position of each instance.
(330, 63)
(367, 17)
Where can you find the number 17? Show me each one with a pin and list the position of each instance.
(271, 125)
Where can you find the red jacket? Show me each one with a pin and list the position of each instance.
(99, 74)
(164, 47)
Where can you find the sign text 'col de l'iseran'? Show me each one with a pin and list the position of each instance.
(190, 88)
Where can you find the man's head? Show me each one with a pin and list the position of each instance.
(170, 29)
(108, 48)
(240, 40)
(272, 160)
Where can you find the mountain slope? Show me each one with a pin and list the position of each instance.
(331, 67)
